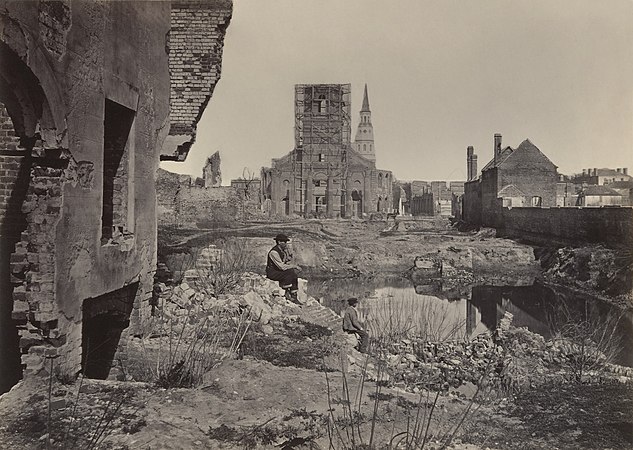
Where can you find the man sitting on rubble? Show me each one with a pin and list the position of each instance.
(279, 267)
(352, 325)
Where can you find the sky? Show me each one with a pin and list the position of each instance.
(441, 75)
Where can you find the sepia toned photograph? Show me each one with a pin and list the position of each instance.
(316, 225)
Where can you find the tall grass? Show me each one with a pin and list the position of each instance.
(390, 319)
(409, 425)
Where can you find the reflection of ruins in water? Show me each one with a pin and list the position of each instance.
(437, 311)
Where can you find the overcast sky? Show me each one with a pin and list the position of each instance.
(441, 74)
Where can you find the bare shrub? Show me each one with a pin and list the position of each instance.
(223, 271)
(586, 343)
(186, 342)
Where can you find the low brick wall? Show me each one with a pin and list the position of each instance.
(180, 202)
(609, 226)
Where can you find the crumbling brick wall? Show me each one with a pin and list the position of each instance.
(195, 44)
(77, 198)
(14, 181)
(183, 203)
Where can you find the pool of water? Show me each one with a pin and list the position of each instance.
(396, 306)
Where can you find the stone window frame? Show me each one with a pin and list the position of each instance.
(127, 96)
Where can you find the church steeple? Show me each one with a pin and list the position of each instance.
(365, 107)
(364, 141)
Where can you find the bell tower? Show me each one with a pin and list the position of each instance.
(364, 140)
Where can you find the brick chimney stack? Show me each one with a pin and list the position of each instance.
(625, 170)
(497, 149)
(471, 163)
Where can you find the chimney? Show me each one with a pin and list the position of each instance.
(618, 170)
(595, 171)
(584, 172)
(497, 149)
(471, 163)
(625, 170)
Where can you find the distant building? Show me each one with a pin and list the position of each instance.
(595, 195)
(434, 198)
(326, 175)
(602, 176)
(521, 177)
(625, 189)
(566, 192)
(419, 188)
(456, 187)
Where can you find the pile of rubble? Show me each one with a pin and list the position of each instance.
(512, 358)
(443, 364)
(263, 298)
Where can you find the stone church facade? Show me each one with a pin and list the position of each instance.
(326, 175)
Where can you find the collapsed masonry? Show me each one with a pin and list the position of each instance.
(92, 95)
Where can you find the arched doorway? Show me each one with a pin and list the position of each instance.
(23, 110)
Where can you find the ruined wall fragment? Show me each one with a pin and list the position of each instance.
(195, 43)
(212, 172)
(62, 62)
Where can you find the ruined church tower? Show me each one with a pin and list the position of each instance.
(364, 140)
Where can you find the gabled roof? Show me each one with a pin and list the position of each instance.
(510, 191)
(508, 154)
(596, 190)
(504, 154)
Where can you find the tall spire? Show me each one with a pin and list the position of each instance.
(365, 107)
(364, 141)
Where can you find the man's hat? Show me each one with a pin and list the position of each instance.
(282, 238)
(352, 301)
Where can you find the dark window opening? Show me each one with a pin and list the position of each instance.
(117, 125)
(104, 319)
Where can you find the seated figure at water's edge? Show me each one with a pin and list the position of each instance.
(352, 325)
(279, 267)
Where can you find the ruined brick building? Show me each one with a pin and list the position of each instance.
(520, 177)
(92, 94)
(519, 191)
(326, 175)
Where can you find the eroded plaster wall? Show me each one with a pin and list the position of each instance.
(87, 91)
(82, 55)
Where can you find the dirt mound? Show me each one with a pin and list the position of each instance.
(593, 268)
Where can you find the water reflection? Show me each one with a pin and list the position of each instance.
(394, 307)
